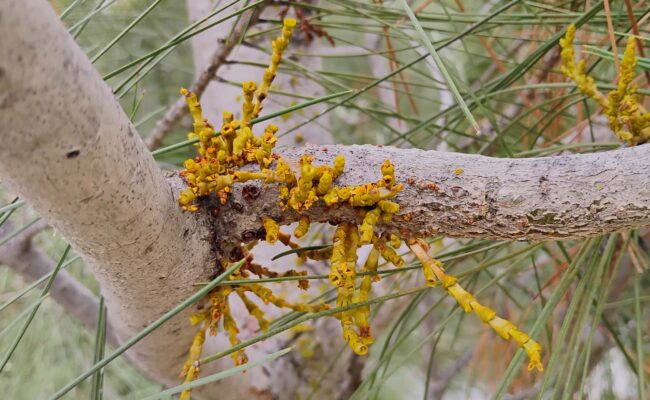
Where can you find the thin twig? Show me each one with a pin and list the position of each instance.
(635, 30)
(22, 257)
(612, 36)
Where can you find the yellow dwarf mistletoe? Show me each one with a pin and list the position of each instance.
(217, 166)
(627, 118)
(434, 274)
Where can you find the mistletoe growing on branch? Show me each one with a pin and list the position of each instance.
(219, 164)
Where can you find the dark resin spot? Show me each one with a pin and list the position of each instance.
(73, 153)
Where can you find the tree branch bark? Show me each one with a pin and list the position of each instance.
(472, 196)
(72, 153)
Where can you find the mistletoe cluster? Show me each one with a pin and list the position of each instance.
(627, 118)
(218, 166)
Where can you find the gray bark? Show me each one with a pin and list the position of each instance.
(472, 196)
(69, 150)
